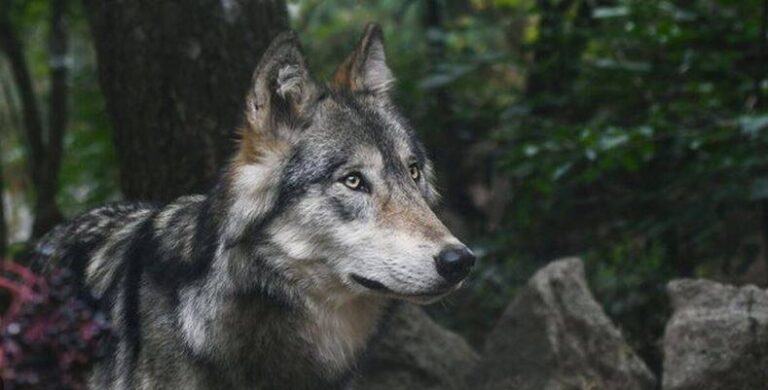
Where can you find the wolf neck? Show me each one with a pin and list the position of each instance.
(273, 299)
(329, 319)
(340, 327)
(324, 323)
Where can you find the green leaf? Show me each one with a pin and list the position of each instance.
(753, 125)
(759, 189)
(610, 12)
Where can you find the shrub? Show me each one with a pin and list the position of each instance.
(51, 330)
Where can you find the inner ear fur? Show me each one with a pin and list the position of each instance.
(282, 87)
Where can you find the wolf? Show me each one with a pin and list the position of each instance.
(280, 276)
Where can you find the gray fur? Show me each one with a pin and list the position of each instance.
(278, 278)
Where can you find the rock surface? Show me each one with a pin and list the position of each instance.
(554, 335)
(416, 353)
(717, 337)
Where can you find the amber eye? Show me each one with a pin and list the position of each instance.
(415, 172)
(353, 181)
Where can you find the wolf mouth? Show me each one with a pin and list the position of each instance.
(380, 287)
(369, 283)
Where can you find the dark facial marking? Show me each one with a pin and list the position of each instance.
(344, 211)
(306, 167)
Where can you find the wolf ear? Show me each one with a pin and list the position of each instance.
(365, 70)
(282, 87)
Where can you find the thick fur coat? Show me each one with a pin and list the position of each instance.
(277, 278)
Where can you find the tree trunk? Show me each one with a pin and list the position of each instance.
(174, 74)
(43, 149)
(33, 126)
(47, 213)
(3, 228)
(557, 54)
(762, 45)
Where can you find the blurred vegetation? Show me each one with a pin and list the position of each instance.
(88, 174)
(629, 132)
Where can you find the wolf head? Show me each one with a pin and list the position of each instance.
(337, 181)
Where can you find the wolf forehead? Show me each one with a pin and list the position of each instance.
(356, 129)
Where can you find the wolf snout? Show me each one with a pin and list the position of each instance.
(454, 263)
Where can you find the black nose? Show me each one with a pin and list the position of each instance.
(454, 263)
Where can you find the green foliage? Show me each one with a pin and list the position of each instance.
(662, 106)
(632, 132)
(656, 137)
(88, 174)
(630, 278)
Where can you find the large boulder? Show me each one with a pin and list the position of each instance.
(717, 337)
(413, 352)
(554, 335)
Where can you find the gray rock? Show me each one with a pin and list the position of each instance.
(717, 337)
(554, 335)
(415, 353)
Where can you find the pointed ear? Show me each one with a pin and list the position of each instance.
(365, 70)
(282, 87)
